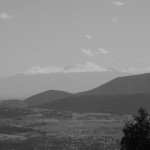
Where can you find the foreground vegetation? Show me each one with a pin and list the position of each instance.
(62, 143)
(137, 132)
(45, 129)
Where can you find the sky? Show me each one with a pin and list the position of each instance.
(91, 35)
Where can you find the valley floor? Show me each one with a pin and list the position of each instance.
(41, 129)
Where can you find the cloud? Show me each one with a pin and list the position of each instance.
(5, 16)
(87, 52)
(118, 3)
(115, 19)
(83, 67)
(44, 70)
(88, 36)
(93, 53)
(134, 70)
(103, 51)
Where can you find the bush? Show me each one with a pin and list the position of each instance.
(137, 132)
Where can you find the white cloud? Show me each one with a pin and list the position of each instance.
(89, 36)
(87, 52)
(115, 19)
(5, 16)
(135, 70)
(93, 53)
(83, 67)
(103, 51)
(118, 3)
(44, 70)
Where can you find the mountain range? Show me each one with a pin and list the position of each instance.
(121, 95)
(22, 86)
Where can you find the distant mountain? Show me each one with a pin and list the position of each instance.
(121, 95)
(45, 97)
(120, 104)
(22, 86)
(123, 85)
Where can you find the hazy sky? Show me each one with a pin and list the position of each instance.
(105, 33)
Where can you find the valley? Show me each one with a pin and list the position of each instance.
(54, 129)
(58, 120)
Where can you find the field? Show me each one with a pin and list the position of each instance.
(59, 130)
(84, 126)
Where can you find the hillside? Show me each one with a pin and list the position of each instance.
(123, 85)
(121, 95)
(47, 96)
(120, 104)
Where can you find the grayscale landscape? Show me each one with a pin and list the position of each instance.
(75, 74)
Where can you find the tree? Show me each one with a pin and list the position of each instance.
(137, 132)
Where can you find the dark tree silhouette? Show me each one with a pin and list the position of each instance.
(137, 132)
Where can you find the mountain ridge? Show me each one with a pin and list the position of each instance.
(130, 84)
(47, 96)
(121, 95)
(23, 86)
